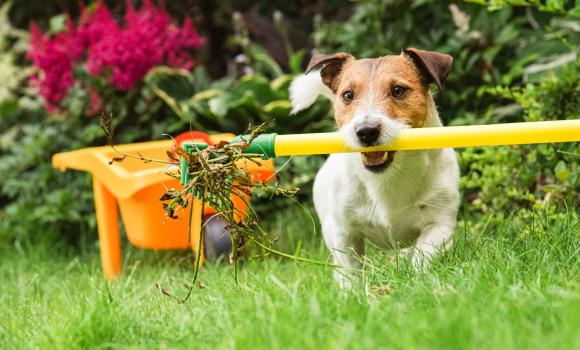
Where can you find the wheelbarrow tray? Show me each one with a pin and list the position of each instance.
(135, 188)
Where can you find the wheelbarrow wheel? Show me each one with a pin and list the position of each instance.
(217, 241)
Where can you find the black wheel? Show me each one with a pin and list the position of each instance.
(217, 241)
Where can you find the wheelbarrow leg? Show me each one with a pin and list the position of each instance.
(108, 225)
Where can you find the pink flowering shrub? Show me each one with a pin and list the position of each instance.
(124, 54)
(52, 57)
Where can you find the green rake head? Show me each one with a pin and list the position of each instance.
(215, 201)
(263, 144)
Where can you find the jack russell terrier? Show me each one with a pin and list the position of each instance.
(396, 199)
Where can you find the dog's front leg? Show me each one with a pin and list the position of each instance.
(434, 240)
(344, 246)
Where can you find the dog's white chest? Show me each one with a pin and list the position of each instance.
(389, 209)
(383, 223)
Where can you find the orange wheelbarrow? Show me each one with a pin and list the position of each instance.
(134, 188)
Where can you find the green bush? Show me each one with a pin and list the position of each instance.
(36, 198)
(261, 94)
(510, 64)
(518, 179)
(509, 178)
(485, 46)
(228, 106)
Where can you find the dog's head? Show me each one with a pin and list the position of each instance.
(376, 98)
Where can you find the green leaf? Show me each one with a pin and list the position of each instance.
(207, 94)
(554, 5)
(261, 55)
(259, 85)
(57, 23)
(575, 12)
(561, 171)
(278, 109)
(280, 86)
(219, 106)
(490, 53)
(295, 61)
(517, 69)
(8, 107)
(507, 34)
(176, 83)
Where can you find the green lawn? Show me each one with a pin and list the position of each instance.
(513, 286)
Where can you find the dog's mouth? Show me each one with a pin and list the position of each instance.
(377, 161)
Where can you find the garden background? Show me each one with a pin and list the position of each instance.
(216, 66)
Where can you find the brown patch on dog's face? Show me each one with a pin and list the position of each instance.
(376, 85)
(377, 98)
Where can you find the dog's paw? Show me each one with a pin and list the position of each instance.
(405, 254)
(343, 278)
(421, 262)
(416, 259)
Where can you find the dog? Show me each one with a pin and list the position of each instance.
(404, 200)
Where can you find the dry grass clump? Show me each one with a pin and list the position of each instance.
(217, 172)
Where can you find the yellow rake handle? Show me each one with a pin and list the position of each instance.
(427, 138)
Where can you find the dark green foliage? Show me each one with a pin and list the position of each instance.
(528, 176)
(229, 106)
(514, 47)
(33, 196)
(37, 199)
(484, 45)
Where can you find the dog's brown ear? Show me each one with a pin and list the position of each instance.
(332, 65)
(434, 66)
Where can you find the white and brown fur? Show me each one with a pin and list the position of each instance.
(410, 201)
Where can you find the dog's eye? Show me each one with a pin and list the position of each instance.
(348, 96)
(399, 91)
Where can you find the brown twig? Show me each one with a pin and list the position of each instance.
(216, 177)
(167, 293)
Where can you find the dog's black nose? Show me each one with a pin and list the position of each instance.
(368, 133)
